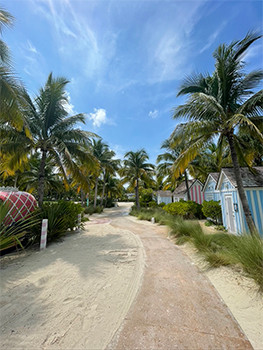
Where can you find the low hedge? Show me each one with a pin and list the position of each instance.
(186, 209)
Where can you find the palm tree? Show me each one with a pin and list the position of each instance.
(165, 166)
(100, 151)
(218, 105)
(12, 93)
(137, 169)
(53, 134)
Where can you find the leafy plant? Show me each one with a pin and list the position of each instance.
(62, 216)
(13, 235)
(188, 210)
(212, 209)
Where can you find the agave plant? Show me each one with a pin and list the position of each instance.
(12, 235)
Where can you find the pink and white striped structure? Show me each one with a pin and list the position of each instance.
(195, 188)
(21, 204)
(43, 239)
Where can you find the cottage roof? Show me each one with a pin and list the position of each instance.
(181, 189)
(164, 193)
(214, 176)
(249, 179)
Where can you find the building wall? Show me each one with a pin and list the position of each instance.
(196, 193)
(255, 202)
(210, 193)
(165, 200)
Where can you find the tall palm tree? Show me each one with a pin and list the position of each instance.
(100, 150)
(218, 105)
(137, 169)
(165, 166)
(53, 134)
(12, 93)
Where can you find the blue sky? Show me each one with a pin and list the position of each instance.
(125, 59)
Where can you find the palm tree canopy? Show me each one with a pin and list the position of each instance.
(137, 167)
(52, 131)
(219, 103)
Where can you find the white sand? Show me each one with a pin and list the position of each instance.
(239, 294)
(73, 295)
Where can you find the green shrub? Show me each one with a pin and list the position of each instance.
(161, 205)
(62, 216)
(152, 204)
(208, 223)
(186, 209)
(212, 209)
(91, 210)
(15, 234)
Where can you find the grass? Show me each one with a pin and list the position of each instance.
(218, 249)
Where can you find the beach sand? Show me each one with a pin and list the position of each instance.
(77, 293)
(73, 295)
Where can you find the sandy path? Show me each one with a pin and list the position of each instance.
(74, 295)
(177, 307)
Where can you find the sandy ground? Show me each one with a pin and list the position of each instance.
(76, 294)
(240, 295)
(73, 295)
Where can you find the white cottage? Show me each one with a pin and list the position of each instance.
(209, 189)
(232, 212)
(195, 189)
(164, 197)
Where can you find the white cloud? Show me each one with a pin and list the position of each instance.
(99, 117)
(69, 107)
(153, 114)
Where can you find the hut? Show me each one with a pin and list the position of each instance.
(195, 189)
(164, 197)
(209, 189)
(232, 211)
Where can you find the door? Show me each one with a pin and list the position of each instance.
(230, 214)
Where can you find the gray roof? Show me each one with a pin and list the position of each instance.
(215, 176)
(248, 178)
(164, 193)
(181, 189)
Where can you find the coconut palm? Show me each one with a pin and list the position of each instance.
(137, 169)
(12, 93)
(53, 134)
(165, 166)
(218, 105)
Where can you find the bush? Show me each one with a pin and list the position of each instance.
(152, 204)
(62, 215)
(186, 209)
(91, 210)
(15, 234)
(212, 209)
(161, 205)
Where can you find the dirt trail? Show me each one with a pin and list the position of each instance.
(177, 307)
(94, 291)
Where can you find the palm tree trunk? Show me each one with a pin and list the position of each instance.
(103, 189)
(187, 186)
(82, 198)
(240, 188)
(137, 194)
(96, 192)
(41, 178)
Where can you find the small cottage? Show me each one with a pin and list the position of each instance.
(232, 211)
(195, 189)
(209, 189)
(164, 197)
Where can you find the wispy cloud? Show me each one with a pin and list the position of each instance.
(212, 37)
(89, 46)
(153, 114)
